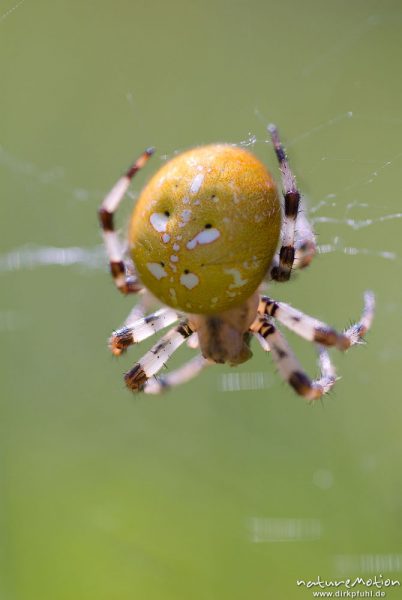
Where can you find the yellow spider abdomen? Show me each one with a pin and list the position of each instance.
(205, 229)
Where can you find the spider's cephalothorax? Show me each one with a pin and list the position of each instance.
(225, 337)
(203, 237)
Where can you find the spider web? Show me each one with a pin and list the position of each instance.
(8, 12)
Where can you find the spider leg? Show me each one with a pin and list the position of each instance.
(305, 246)
(193, 342)
(120, 269)
(139, 311)
(155, 359)
(262, 341)
(305, 243)
(281, 271)
(289, 367)
(357, 330)
(314, 330)
(141, 329)
(190, 369)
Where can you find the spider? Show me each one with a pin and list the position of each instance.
(203, 237)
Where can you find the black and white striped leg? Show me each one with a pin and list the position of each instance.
(140, 330)
(305, 246)
(289, 367)
(314, 330)
(188, 371)
(125, 281)
(356, 331)
(155, 359)
(281, 271)
(262, 341)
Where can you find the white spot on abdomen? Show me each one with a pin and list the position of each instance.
(186, 215)
(166, 237)
(206, 236)
(189, 280)
(196, 183)
(159, 221)
(237, 280)
(157, 270)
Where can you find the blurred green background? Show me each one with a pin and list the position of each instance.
(202, 493)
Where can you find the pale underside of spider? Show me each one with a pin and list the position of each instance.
(225, 337)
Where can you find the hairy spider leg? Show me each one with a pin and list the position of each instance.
(289, 367)
(281, 271)
(141, 308)
(305, 243)
(141, 329)
(120, 268)
(156, 358)
(188, 371)
(314, 330)
(357, 330)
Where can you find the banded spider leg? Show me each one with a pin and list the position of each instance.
(122, 270)
(312, 330)
(153, 361)
(289, 367)
(298, 241)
